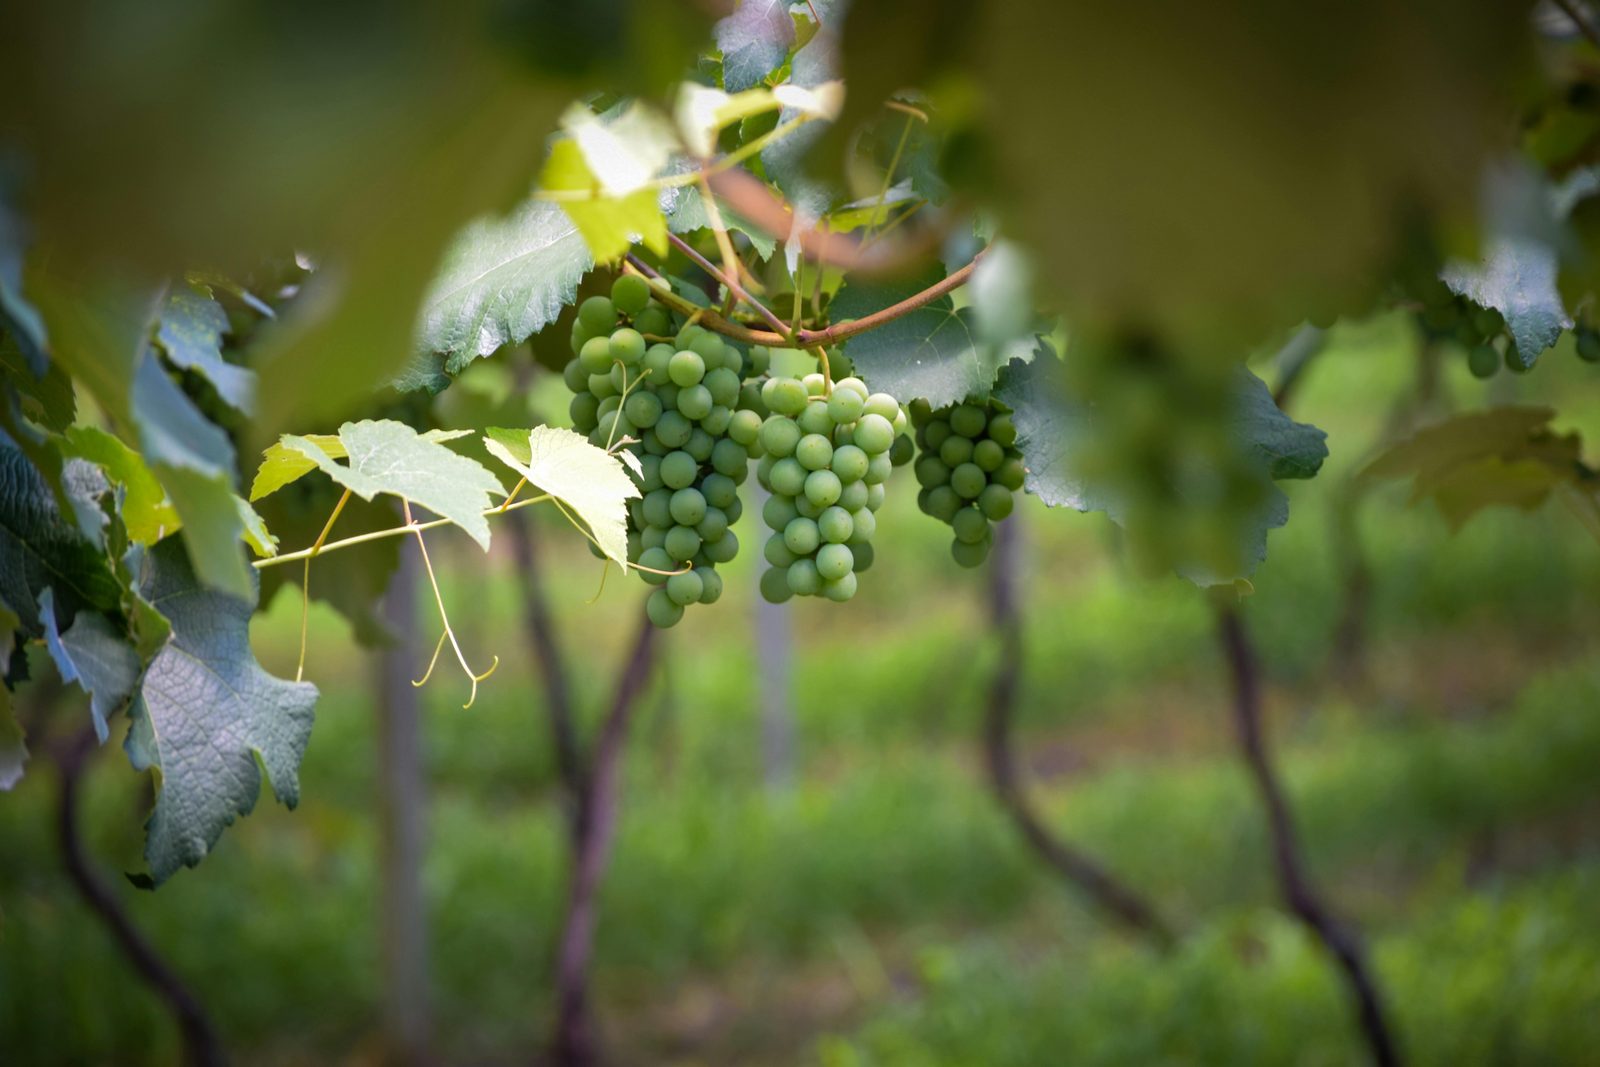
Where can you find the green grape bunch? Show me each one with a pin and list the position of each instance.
(827, 454)
(685, 402)
(969, 469)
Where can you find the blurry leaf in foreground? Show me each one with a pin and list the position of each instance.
(755, 40)
(609, 225)
(1505, 456)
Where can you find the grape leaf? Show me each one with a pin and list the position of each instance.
(95, 655)
(815, 63)
(688, 213)
(503, 280)
(588, 480)
(190, 333)
(1055, 430)
(1517, 276)
(1506, 456)
(933, 352)
(40, 549)
(47, 401)
(256, 534)
(147, 515)
(281, 464)
(609, 225)
(204, 713)
(754, 40)
(390, 457)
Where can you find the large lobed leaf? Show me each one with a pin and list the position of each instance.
(503, 280)
(935, 352)
(390, 457)
(205, 713)
(588, 480)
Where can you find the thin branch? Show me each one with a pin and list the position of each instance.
(575, 1041)
(1120, 900)
(1293, 358)
(829, 335)
(1570, 9)
(732, 284)
(393, 531)
(1294, 881)
(202, 1046)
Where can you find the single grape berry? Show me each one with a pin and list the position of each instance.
(1588, 344)
(1483, 361)
(629, 294)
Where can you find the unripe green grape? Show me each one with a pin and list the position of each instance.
(745, 427)
(694, 402)
(598, 314)
(585, 412)
(840, 589)
(654, 537)
(656, 559)
(576, 376)
(930, 471)
(657, 359)
(969, 555)
(777, 552)
(849, 463)
(874, 434)
(835, 525)
(682, 542)
(596, 355)
(760, 360)
(723, 548)
(700, 445)
(955, 451)
(943, 503)
(805, 506)
(968, 420)
(685, 588)
(995, 502)
(686, 369)
(1513, 360)
(970, 526)
(673, 429)
(709, 347)
(635, 545)
(935, 434)
(657, 507)
(630, 293)
(650, 473)
(579, 336)
(834, 562)
(815, 383)
(652, 444)
(729, 457)
(686, 336)
(1002, 431)
(750, 399)
(875, 496)
(608, 405)
(901, 424)
(855, 495)
(787, 477)
(678, 470)
(654, 320)
(843, 435)
(823, 487)
(801, 536)
(778, 512)
(614, 426)
(854, 385)
(920, 411)
(719, 490)
(863, 524)
(600, 385)
(662, 610)
(636, 513)
(988, 455)
(845, 405)
(711, 585)
(734, 508)
(779, 436)
(902, 450)
(784, 396)
(620, 378)
(815, 419)
(724, 386)
(879, 468)
(774, 585)
(814, 452)
(1011, 474)
(687, 506)
(627, 345)
(884, 406)
(803, 578)
(642, 408)
(968, 481)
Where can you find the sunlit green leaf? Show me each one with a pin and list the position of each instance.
(146, 513)
(588, 480)
(609, 225)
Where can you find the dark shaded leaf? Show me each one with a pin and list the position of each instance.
(190, 333)
(95, 654)
(755, 40)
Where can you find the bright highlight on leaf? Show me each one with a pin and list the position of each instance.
(588, 480)
(282, 464)
(390, 457)
(609, 225)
